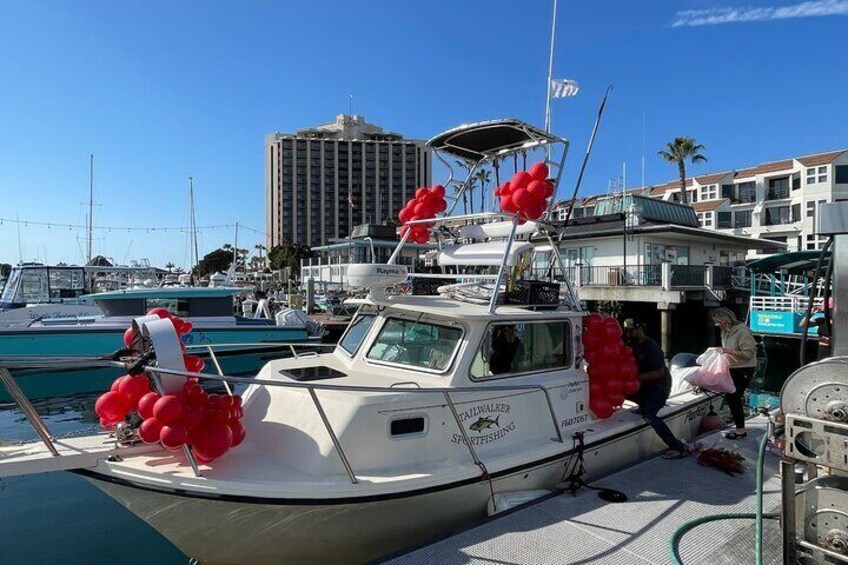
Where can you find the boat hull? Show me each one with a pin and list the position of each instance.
(257, 531)
(248, 357)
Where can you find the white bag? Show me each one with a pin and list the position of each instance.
(713, 373)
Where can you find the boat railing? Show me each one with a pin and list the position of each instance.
(155, 372)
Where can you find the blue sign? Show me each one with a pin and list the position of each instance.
(770, 322)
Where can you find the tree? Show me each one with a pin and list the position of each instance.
(214, 261)
(5, 270)
(260, 248)
(288, 256)
(170, 266)
(678, 151)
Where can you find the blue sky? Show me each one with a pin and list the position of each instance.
(158, 91)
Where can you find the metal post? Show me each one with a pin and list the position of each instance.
(493, 303)
(462, 429)
(29, 411)
(787, 510)
(218, 368)
(333, 437)
(665, 322)
(157, 384)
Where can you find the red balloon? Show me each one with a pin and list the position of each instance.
(439, 191)
(404, 215)
(535, 210)
(423, 209)
(239, 432)
(536, 189)
(628, 351)
(596, 389)
(193, 363)
(506, 188)
(498, 192)
(145, 404)
(134, 388)
(149, 431)
(237, 401)
(631, 386)
(211, 440)
(173, 436)
(612, 329)
(112, 406)
(549, 189)
(520, 180)
(192, 416)
(442, 205)
(129, 335)
(614, 386)
(594, 321)
(161, 312)
(616, 399)
(420, 193)
(593, 340)
(167, 409)
(629, 370)
(507, 205)
(522, 198)
(107, 425)
(601, 407)
(591, 356)
(609, 350)
(539, 171)
(601, 371)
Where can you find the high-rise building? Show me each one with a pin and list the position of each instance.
(322, 181)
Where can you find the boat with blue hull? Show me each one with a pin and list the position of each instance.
(210, 310)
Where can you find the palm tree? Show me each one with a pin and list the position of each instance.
(259, 247)
(484, 176)
(678, 151)
(464, 165)
(170, 266)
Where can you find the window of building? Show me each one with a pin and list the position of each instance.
(811, 175)
(416, 344)
(778, 188)
(796, 212)
(796, 181)
(745, 192)
(723, 220)
(742, 219)
(777, 238)
(709, 192)
(822, 174)
(777, 215)
(520, 348)
(841, 174)
(705, 219)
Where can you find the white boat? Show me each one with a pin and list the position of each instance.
(35, 292)
(405, 430)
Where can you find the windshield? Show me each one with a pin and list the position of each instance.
(11, 286)
(356, 333)
(417, 344)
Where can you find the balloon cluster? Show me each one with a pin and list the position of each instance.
(209, 423)
(612, 367)
(527, 193)
(427, 202)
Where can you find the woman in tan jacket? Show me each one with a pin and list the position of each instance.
(738, 343)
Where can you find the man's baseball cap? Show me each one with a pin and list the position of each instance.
(631, 324)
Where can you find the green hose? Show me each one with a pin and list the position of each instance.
(674, 543)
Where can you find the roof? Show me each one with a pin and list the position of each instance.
(614, 229)
(708, 205)
(455, 309)
(477, 141)
(167, 292)
(712, 178)
(794, 263)
(765, 168)
(670, 185)
(820, 158)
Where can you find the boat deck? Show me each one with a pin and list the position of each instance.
(662, 494)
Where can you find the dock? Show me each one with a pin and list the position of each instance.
(662, 496)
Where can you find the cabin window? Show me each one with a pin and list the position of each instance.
(33, 286)
(522, 347)
(407, 427)
(66, 283)
(416, 344)
(176, 306)
(352, 339)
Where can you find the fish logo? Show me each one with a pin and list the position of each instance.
(485, 423)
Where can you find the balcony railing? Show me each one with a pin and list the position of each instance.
(667, 276)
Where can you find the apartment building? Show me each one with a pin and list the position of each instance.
(777, 201)
(320, 182)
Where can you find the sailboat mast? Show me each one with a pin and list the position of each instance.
(550, 72)
(235, 251)
(90, 202)
(193, 220)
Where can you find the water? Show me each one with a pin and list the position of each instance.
(59, 518)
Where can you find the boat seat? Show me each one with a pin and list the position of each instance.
(489, 254)
(496, 229)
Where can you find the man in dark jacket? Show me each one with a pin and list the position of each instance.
(655, 386)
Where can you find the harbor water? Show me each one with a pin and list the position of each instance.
(60, 518)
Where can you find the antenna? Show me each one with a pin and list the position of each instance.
(20, 249)
(643, 149)
(550, 72)
(90, 202)
(350, 105)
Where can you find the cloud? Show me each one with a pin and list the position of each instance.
(715, 16)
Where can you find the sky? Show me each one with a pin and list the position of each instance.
(159, 91)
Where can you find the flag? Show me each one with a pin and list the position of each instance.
(562, 88)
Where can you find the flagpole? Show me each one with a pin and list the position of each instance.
(550, 72)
